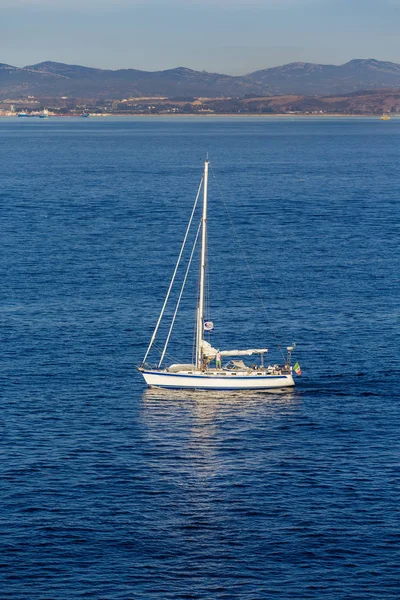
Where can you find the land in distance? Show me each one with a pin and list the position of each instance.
(56, 80)
(359, 103)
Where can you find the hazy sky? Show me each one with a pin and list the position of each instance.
(226, 36)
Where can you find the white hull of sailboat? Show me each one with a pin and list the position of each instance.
(204, 381)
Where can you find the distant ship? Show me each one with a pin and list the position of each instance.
(44, 114)
(85, 114)
(23, 114)
(385, 117)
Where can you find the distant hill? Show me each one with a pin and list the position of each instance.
(320, 80)
(51, 79)
(57, 79)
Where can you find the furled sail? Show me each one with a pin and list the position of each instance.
(244, 352)
(211, 352)
(208, 350)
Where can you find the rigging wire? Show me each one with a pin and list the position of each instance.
(167, 354)
(195, 329)
(194, 335)
(247, 264)
(174, 274)
(180, 295)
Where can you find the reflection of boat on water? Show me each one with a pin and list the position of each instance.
(385, 117)
(287, 395)
(200, 373)
(161, 405)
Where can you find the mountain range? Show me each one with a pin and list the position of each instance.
(51, 79)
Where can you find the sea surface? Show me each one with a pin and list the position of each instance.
(114, 492)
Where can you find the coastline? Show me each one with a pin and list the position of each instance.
(208, 115)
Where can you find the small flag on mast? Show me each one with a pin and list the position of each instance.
(297, 369)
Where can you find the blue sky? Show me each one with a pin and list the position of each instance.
(225, 36)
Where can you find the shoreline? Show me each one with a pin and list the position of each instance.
(208, 115)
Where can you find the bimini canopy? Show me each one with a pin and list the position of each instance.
(211, 352)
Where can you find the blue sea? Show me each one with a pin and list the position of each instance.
(111, 491)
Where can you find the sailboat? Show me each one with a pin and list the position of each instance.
(207, 371)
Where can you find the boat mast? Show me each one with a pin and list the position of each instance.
(200, 310)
